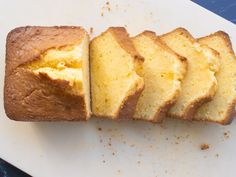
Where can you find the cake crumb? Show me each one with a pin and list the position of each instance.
(217, 155)
(113, 153)
(132, 145)
(163, 126)
(103, 161)
(91, 30)
(205, 146)
(105, 8)
(226, 134)
(99, 129)
(140, 155)
(109, 130)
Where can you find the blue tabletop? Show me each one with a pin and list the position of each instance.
(8, 170)
(224, 8)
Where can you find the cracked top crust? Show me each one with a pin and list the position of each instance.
(32, 97)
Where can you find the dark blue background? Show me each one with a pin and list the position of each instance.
(224, 8)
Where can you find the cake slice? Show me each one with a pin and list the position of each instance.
(163, 72)
(199, 85)
(221, 108)
(116, 83)
(47, 74)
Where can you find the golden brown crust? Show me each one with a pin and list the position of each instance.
(28, 97)
(186, 34)
(181, 31)
(225, 38)
(127, 109)
(25, 44)
(195, 104)
(231, 108)
(123, 39)
(63, 84)
(192, 108)
(157, 39)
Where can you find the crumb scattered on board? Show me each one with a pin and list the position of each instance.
(204, 146)
(132, 145)
(99, 129)
(163, 126)
(91, 30)
(105, 7)
(226, 134)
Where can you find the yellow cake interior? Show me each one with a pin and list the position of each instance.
(163, 72)
(200, 81)
(67, 63)
(113, 75)
(217, 109)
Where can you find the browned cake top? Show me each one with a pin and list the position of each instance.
(28, 96)
(25, 44)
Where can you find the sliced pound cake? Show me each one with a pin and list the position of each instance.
(199, 85)
(221, 108)
(115, 81)
(163, 71)
(47, 74)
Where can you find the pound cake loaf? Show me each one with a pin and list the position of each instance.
(116, 81)
(222, 106)
(163, 72)
(47, 74)
(199, 85)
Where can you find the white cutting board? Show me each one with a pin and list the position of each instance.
(128, 148)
